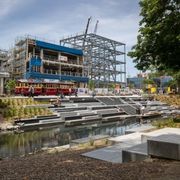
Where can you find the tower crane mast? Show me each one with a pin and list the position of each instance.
(96, 26)
(86, 31)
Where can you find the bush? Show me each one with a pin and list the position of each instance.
(12, 108)
(176, 120)
(166, 123)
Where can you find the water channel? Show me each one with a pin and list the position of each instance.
(12, 144)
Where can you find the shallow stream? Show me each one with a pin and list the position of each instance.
(12, 144)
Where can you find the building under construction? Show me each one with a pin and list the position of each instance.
(3, 71)
(104, 59)
(3, 59)
(35, 59)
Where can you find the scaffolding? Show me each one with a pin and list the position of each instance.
(36, 59)
(3, 59)
(104, 59)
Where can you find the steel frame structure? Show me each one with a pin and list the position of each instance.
(104, 59)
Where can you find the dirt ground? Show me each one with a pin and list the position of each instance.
(70, 164)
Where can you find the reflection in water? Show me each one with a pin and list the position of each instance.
(28, 142)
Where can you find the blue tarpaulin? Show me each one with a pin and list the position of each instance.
(59, 48)
(35, 61)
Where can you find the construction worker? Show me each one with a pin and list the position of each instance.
(142, 108)
(31, 91)
(58, 102)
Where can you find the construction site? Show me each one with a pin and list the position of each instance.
(104, 58)
(79, 59)
(35, 59)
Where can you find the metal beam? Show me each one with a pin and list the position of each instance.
(105, 59)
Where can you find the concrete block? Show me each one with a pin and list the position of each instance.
(135, 153)
(165, 146)
(146, 136)
(111, 154)
(134, 138)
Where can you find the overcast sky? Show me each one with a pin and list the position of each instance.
(54, 19)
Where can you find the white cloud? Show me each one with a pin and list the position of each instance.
(114, 22)
(123, 30)
(6, 6)
(111, 2)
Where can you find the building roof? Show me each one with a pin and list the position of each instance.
(59, 48)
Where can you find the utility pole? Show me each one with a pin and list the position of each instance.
(60, 69)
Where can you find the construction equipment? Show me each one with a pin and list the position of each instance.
(96, 26)
(86, 31)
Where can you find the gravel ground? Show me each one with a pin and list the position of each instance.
(70, 164)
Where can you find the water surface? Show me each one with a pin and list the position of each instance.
(12, 144)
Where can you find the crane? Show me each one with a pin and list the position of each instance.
(96, 26)
(86, 31)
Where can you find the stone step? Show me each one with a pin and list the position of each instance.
(117, 118)
(82, 99)
(71, 109)
(135, 153)
(64, 114)
(84, 120)
(101, 107)
(86, 113)
(88, 104)
(91, 117)
(113, 114)
(67, 118)
(107, 111)
(48, 116)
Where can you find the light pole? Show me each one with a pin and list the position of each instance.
(59, 58)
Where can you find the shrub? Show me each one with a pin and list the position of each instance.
(11, 108)
(166, 123)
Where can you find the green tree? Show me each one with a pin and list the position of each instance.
(177, 78)
(172, 83)
(176, 81)
(131, 85)
(158, 41)
(111, 86)
(91, 85)
(10, 86)
(148, 81)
